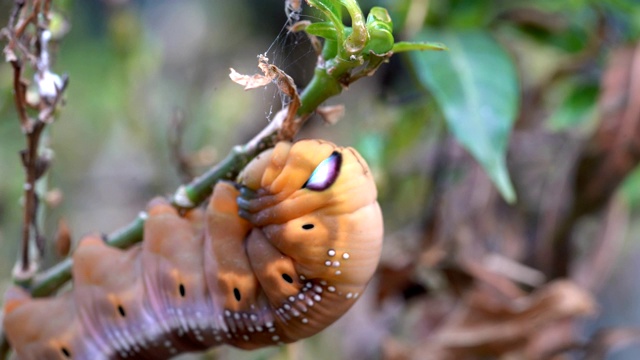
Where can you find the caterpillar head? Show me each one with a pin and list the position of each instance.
(315, 202)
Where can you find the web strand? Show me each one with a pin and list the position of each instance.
(284, 52)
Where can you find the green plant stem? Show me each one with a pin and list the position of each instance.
(200, 188)
(321, 87)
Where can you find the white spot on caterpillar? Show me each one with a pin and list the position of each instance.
(287, 307)
(331, 252)
(295, 312)
(327, 263)
(272, 330)
(318, 289)
(305, 320)
(336, 263)
(323, 283)
(349, 295)
(355, 296)
(227, 313)
(259, 328)
(269, 324)
(345, 256)
(302, 277)
(317, 298)
(302, 307)
(301, 296)
(338, 272)
(275, 338)
(331, 289)
(292, 298)
(245, 337)
(236, 316)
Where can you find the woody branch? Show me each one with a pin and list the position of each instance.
(27, 34)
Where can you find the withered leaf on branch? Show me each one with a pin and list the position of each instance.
(272, 73)
(331, 114)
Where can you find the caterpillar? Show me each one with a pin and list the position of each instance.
(269, 262)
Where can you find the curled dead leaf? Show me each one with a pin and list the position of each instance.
(249, 82)
(331, 114)
(482, 326)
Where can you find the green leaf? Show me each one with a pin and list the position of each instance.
(476, 87)
(322, 29)
(404, 46)
(578, 107)
(631, 190)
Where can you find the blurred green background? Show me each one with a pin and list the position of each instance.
(131, 64)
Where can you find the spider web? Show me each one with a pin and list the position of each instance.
(291, 52)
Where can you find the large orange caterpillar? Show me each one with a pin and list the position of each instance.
(307, 243)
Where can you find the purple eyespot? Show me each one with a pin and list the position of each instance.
(325, 174)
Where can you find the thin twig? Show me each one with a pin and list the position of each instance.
(20, 90)
(175, 135)
(28, 37)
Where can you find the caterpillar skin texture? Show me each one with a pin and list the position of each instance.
(307, 242)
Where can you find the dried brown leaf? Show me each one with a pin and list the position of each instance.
(249, 81)
(484, 326)
(331, 114)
